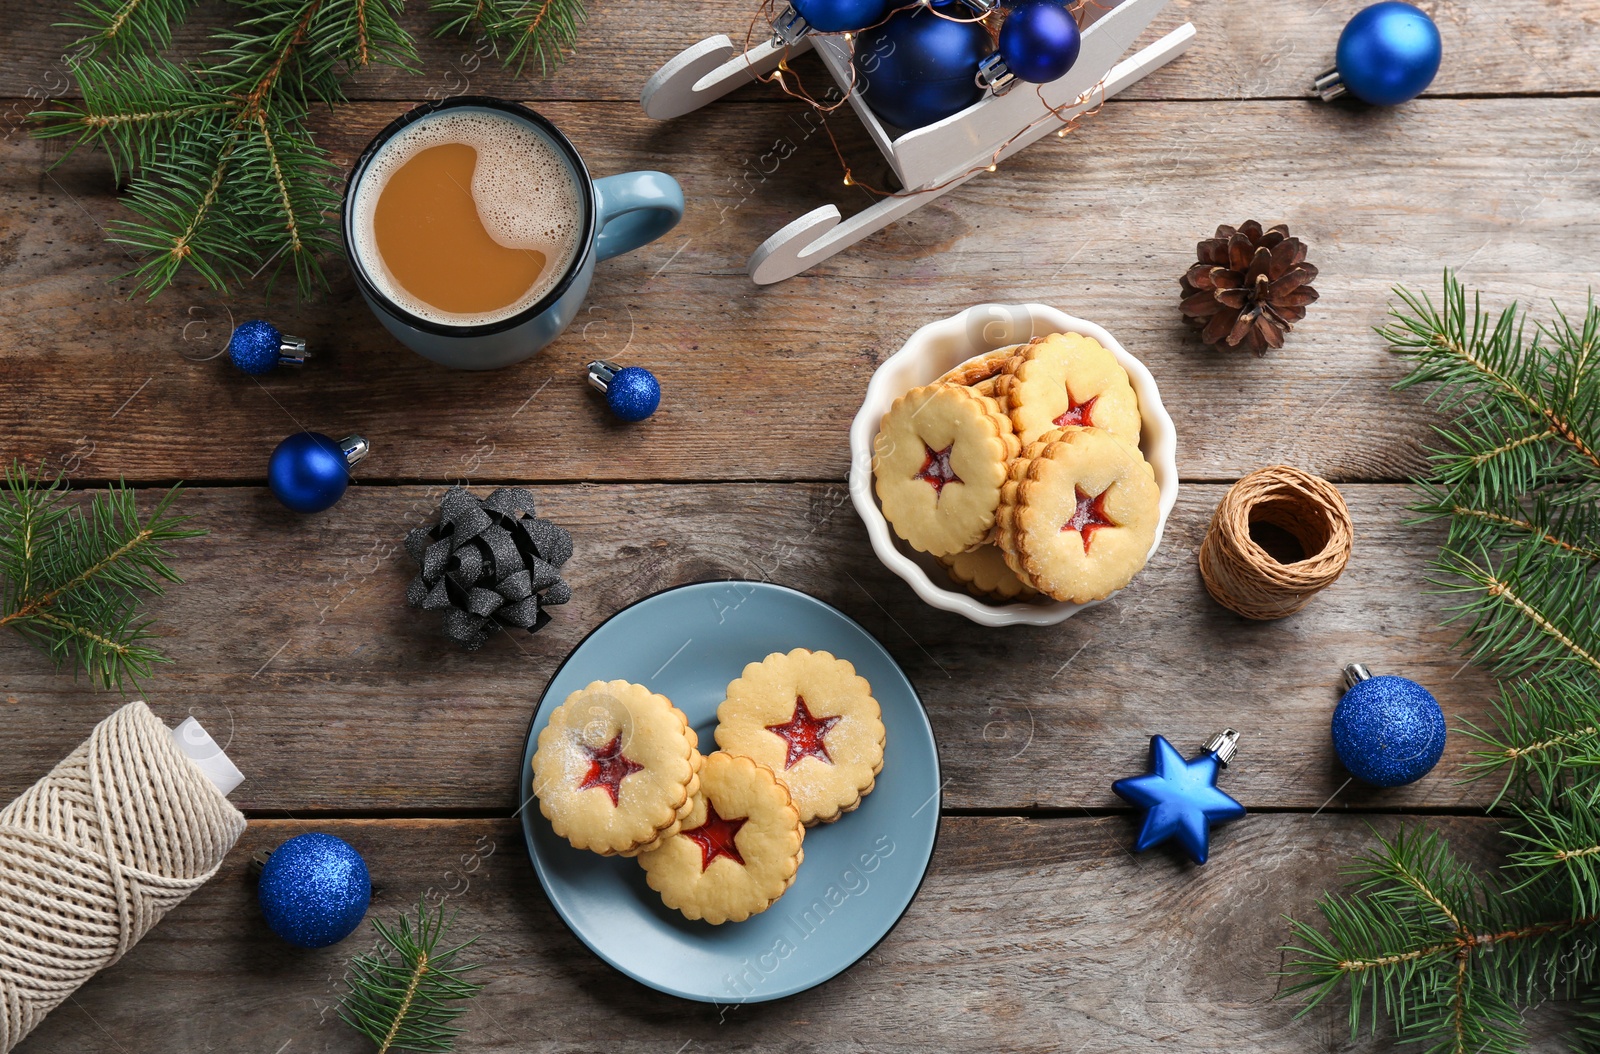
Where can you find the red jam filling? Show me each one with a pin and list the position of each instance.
(1077, 413)
(715, 837)
(608, 768)
(804, 734)
(936, 470)
(1089, 517)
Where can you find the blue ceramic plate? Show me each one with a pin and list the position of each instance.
(859, 874)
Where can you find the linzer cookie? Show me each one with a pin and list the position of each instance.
(1066, 379)
(939, 460)
(811, 719)
(1078, 514)
(981, 372)
(738, 850)
(983, 571)
(614, 767)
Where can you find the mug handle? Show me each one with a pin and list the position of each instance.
(634, 209)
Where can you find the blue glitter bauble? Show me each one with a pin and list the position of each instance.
(841, 16)
(633, 394)
(255, 345)
(1388, 731)
(918, 68)
(308, 472)
(1388, 53)
(314, 890)
(1039, 41)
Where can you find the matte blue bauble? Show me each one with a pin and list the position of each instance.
(314, 890)
(633, 394)
(1388, 731)
(1180, 799)
(842, 16)
(1039, 41)
(918, 68)
(254, 346)
(308, 472)
(1388, 53)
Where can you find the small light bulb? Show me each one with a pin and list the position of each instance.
(991, 168)
(1061, 134)
(848, 181)
(849, 36)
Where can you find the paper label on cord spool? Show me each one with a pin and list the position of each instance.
(199, 747)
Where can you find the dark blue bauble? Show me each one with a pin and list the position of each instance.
(254, 346)
(1388, 53)
(918, 68)
(1039, 41)
(1388, 731)
(314, 890)
(842, 16)
(633, 394)
(308, 472)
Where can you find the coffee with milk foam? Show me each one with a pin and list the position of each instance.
(467, 217)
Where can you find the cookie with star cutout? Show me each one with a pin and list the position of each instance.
(812, 719)
(738, 850)
(616, 768)
(983, 572)
(1078, 514)
(1066, 379)
(939, 460)
(981, 372)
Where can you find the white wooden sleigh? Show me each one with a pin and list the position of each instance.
(929, 161)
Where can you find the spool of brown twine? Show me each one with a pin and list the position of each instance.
(1278, 537)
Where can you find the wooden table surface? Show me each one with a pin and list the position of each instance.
(1035, 928)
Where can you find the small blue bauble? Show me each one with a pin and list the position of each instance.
(842, 16)
(1388, 731)
(918, 68)
(314, 890)
(1039, 41)
(1388, 53)
(633, 394)
(308, 472)
(255, 346)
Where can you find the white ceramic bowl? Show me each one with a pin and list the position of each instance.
(931, 352)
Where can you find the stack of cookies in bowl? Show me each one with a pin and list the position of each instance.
(1020, 472)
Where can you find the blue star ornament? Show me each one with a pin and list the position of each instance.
(1180, 798)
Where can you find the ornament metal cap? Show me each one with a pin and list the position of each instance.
(994, 75)
(1354, 674)
(1224, 745)
(355, 447)
(600, 373)
(789, 27)
(1329, 86)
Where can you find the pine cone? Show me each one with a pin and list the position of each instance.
(1249, 288)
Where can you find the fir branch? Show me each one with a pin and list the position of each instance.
(402, 996)
(519, 30)
(74, 576)
(124, 26)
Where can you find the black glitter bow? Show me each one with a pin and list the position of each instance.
(488, 562)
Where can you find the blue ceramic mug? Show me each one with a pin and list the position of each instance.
(618, 214)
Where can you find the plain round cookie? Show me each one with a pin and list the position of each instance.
(739, 848)
(939, 460)
(984, 572)
(1066, 379)
(1078, 514)
(614, 766)
(812, 720)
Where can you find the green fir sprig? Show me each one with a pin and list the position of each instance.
(1454, 958)
(72, 577)
(406, 994)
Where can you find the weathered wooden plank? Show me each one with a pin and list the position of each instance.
(1027, 935)
(761, 382)
(1521, 46)
(292, 642)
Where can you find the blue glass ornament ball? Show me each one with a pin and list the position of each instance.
(1388, 731)
(255, 345)
(308, 472)
(1388, 53)
(633, 394)
(1039, 41)
(842, 16)
(314, 890)
(918, 68)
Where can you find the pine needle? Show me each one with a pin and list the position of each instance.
(404, 995)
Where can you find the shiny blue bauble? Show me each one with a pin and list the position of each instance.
(255, 345)
(314, 890)
(1388, 53)
(633, 394)
(308, 472)
(1039, 41)
(1388, 731)
(842, 16)
(918, 68)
